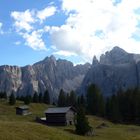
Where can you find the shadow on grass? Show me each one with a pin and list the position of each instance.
(70, 131)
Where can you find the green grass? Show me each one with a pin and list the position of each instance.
(15, 127)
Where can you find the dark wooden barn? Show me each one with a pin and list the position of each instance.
(60, 116)
(22, 110)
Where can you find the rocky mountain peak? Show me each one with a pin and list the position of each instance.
(116, 69)
(51, 58)
(116, 56)
(48, 74)
(118, 50)
(95, 61)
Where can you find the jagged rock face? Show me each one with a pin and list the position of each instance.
(48, 74)
(10, 78)
(116, 69)
(118, 56)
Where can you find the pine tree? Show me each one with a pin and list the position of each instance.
(3, 95)
(27, 99)
(35, 98)
(46, 97)
(101, 109)
(95, 101)
(72, 98)
(81, 101)
(40, 98)
(108, 108)
(62, 99)
(68, 100)
(12, 99)
(82, 124)
(115, 112)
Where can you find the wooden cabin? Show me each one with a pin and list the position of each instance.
(60, 116)
(22, 110)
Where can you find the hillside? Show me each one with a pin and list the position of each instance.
(13, 127)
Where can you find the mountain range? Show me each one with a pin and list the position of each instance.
(50, 74)
(116, 69)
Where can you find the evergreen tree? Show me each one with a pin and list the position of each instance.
(62, 99)
(40, 98)
(101, 109)
(115, 112)
(12, 99)
(27, 99)
(46, 97)
(21, 98)
(3, 95)
(72, 98)
(35, 98)
(81, 101)
(68, 100)
(95, 101)
(108, 111)
(82, 125)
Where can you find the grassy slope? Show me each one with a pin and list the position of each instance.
(14, 127)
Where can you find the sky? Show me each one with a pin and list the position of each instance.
(76, 30)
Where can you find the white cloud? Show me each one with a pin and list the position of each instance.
(34, 40)
(64, 53)
(45, 13)
(17, 43)
(91, 28)
(1, 31)
(95, 26)
(65, 36)
(23, 20)
(27, 25)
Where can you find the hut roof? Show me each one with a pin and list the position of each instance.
(23, 107)
(59, 109)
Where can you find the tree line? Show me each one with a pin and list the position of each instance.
(123, 107)
(36, 98)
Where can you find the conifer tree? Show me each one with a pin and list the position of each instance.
(27, 99)
(72, 98)
(81, 101)
(40, 98)
(95, 101)
(82, 124)
(12, 99)
(62, 99)
(35, 98)
(46, 97)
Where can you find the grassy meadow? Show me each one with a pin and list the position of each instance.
(15, 127)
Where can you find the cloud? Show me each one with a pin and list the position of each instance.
(45, 13)
(17, 43)
(34, 40)
(1, 31)
(91, 27)
(64, 53)
(27, 25)
(64, 35)
(95, 26)
(23, 20)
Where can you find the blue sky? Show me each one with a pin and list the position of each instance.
(31, 30)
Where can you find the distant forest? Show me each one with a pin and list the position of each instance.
(123, 107)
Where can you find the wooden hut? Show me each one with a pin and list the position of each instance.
(22, 110)
(60, 116)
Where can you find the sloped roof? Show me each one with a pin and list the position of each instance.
(58, 109)
(23, 107)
